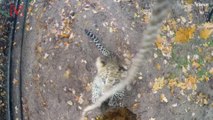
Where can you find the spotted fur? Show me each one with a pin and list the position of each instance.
(109, 72)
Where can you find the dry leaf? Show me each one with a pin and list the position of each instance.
(136, 106)
(88, 87)
(172, 83)
(195, 64)
(162, 45)
(163, 98)
(64, 35)
(184, 34)
(202, 99)
(159, 84)
(67, 74)
(66, 44)
(205, 33)
(159, 42)
(191, 83)
(80, 99)
(166, 51)
(181, 85)
(158, 66)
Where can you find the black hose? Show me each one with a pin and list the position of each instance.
(9, 65)
(20, 61)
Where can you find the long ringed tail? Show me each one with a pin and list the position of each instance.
(97, 42)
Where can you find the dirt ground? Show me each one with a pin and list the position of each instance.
(59, 61)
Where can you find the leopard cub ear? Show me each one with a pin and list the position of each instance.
(100, 62)
(103, 62)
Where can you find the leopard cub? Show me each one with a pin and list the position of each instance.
(109, 73)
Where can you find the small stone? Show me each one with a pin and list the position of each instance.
(65, 89)
(196, 57)
(155, 55)
(174, 105)
(165, 61)
(193, 114)
(140, 77)
(79, 107)
(152, 118)
(73, 91)
(188, 57)
(70, 102)
(46, 55)
(139, 95)
(83, 61)
(51, 81)
(59, 67)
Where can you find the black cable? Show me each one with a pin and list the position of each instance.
(20, 61)
(9, 66)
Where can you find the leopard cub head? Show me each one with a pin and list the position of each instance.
(109, 63)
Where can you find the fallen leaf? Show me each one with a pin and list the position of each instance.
(195, 65)
(67, 74)
(66, 44)
(172, 83)
(184, 34)
(182, 85)
(159, 42)
(158, 84)
(162, 45)
(202, 99)
(205, 33)
(63, 35)
(191, 82)
(163, 98)
(158, 66)
(136, 106)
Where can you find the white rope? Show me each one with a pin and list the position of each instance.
(159, 14)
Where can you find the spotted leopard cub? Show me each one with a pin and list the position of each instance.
(109, 73)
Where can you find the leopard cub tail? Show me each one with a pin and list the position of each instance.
(97, 42)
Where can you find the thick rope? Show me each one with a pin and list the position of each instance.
(159, 14)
